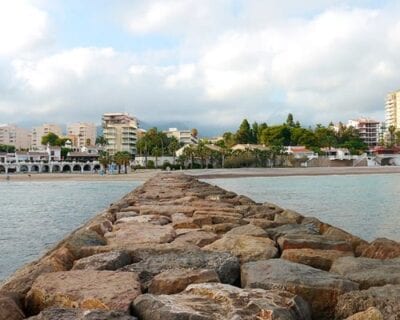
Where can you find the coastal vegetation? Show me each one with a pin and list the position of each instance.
(6, 148)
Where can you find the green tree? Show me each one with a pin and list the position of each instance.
(50, 138)
(243, 135)
(122, 158)
(100, 140)
(7, 148)
(105, 160)
(290, 121)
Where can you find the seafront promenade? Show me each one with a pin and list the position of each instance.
(180, 248)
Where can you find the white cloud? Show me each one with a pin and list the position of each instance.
(22, 26)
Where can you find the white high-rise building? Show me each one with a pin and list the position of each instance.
(12, 135)
(392, 110)
(368, 129)
(120, 131)
(82, 134)
(39, 132)
(183, 136)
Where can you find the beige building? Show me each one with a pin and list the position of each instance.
(183, 136)
(120, 131)
(14, 136)
(392, 110)
(82, 134)
(39, 132)
(368, 129)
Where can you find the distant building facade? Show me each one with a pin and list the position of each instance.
(392, 110)
(183, 136)
(39, 132)
(82, 134)
(368, 129)
(14, 136)
(120, 131)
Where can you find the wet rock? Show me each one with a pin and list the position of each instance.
(319, 288)
(368, 272)
(248, 230)
(176, 280)
(246, 248)
(380, 248)
(198, 238)
(104, 261)
(83, 238)
(217, 301)
(126, 235)
(386, 299)
(85, 289)
(369, 314)
(224, 264)
(9, 309)
(79, 314)
(320, 259)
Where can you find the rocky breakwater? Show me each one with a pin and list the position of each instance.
(179, 248)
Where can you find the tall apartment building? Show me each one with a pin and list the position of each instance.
(14, 136)
(39, 132)
(392, 110)
(183, 136)
(120, 131)
(82, 134)
(368, 129)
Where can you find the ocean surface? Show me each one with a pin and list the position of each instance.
(365, 205)
(36, 215)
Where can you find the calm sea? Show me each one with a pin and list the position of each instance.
(36, 215)
(365, 205)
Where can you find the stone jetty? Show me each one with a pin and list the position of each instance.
(179, 248)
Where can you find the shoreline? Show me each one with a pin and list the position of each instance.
(145, 174)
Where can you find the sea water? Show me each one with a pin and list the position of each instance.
(36, 215)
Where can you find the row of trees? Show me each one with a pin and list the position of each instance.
(6, 148)
(291, 133)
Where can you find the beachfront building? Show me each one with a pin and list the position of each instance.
(12, 135)
(392, 110)
(300, 152)
(368, 129)
(82, 134)
(120, 131)
(183, 136)
(39, 132)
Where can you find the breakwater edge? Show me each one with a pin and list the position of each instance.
(179, 248)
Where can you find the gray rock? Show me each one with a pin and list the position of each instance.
(225, 264)
(248, 230)
(291, 229)
(386, 299)
(104, 261)
(77, 314)
(223, 302)
(368, 272)
(319, 288)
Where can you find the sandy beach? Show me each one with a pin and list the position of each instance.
(143, 175)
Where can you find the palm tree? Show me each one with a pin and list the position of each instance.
(189, 154)
(122, 158)
(105, 160)
(391, 130)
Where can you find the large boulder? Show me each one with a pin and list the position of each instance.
(85, 289)
(198, 238)
(386, 299)
(246, 248)
(369, 314)
(104, 261)
(247, 230)
(79, 314)
(176, 280)
(339, 234)
(310, 241)
(319, 288)
(218, 301)
(320, 259)
(224, 264)
(291, 229)
(380, 248)
(9, 309)
(126, 235)
(368, 272)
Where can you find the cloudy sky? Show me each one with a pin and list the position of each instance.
(203, 63)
